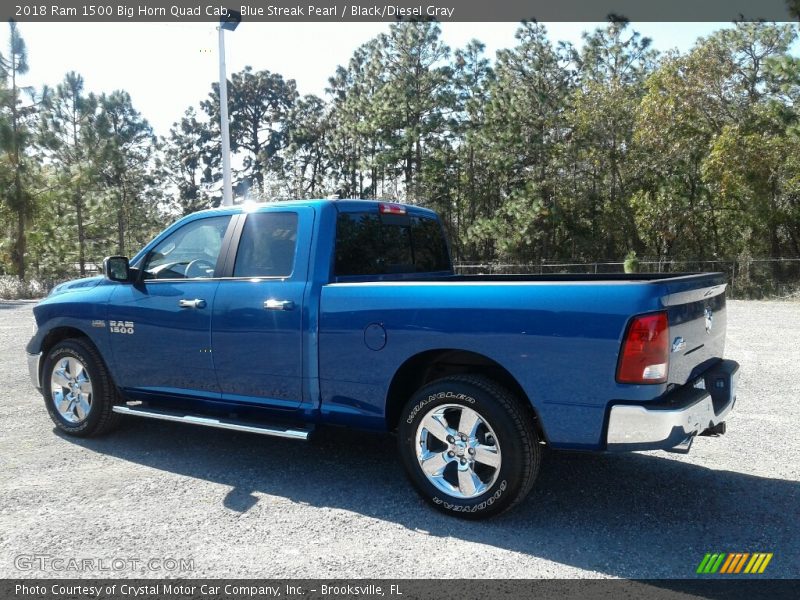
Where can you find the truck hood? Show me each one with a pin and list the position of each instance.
(76, 284)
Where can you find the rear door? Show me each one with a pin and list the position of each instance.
(258, 317)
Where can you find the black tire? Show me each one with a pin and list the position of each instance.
(502, 415)
(100, 418)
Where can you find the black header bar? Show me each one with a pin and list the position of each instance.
(378, 10)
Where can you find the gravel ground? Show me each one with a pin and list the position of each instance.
(244, 505)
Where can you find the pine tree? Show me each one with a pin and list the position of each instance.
(15, 137)
(259, 105)
(126, 146)
(191, 163)
(66, 136)
(416, 94)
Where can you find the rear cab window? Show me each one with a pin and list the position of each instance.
(370, 243)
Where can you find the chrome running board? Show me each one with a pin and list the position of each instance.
(233, 424)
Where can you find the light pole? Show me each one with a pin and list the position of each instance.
(229, 22)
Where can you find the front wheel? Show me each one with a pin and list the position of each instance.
(78, 390)
(468, 446)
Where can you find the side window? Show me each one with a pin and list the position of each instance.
(190, 252)
(267, 246)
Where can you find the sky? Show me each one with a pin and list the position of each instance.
(167, 67)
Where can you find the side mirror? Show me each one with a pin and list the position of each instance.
(116, 268)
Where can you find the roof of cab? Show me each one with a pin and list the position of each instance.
(347, 205)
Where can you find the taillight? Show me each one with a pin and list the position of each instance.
(392, 209)
(645, 350)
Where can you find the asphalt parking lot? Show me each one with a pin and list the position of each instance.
(239, 505)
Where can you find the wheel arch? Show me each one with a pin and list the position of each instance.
(59, 334)
(430, 365)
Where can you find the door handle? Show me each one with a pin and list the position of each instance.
(273, 304)
(196, 303)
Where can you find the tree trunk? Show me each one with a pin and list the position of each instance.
(121, 224)
(20, 245)
(78, 199)
(81, 233)
(20, 242)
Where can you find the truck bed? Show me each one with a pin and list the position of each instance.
(559, 335)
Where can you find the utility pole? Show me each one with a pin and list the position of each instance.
(229, 22)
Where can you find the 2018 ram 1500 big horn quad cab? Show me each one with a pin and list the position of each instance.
(277, 318)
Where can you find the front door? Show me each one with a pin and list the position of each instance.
(160, 328)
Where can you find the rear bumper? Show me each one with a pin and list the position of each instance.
(679, 416)
(33, 369)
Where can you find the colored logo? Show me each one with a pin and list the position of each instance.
(678, 344)
(734, 562)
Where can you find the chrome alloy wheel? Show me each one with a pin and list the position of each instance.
(458, 451)
(71, 389)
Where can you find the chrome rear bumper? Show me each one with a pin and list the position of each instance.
(675, 419)
(33, 369)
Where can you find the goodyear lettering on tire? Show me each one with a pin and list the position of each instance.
(478, 507)
(434, 397)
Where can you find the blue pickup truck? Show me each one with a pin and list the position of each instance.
(278, 318)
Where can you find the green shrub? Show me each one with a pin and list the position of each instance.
(631, 264)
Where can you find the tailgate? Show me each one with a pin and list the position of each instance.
(697, 321)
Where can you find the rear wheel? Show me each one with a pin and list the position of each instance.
(468, 446)
(78, 390)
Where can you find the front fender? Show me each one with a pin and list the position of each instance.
(79, 313)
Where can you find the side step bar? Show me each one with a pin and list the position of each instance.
(235, 425)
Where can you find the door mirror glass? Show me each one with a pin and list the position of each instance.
(116, 268)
